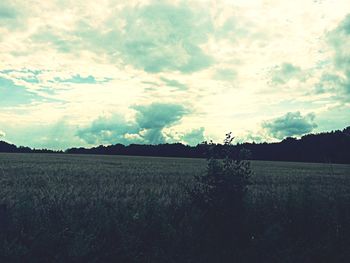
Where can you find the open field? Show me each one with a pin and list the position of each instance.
(125, 176)
(158, 170)
(73, 208)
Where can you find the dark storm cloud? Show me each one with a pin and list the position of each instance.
(291, 124)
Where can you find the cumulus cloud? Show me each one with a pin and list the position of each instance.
(58, 135)
(153, 118)
(174, 83)
(286, 72)
(8, 14)
(158, 115)
(7, 11)
(2, 134)
(147, 127)
(329, 82)
(194, 137)
(338, 82)
(27, 75)
(166, 37)
(291, 124)
(252, 136)
(189, 50)
(154, 37)
(77, 79)
(339, 38)
(14, 16)
(105, 130)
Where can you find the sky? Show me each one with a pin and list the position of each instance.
(86, 73)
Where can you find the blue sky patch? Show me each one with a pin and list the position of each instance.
(13, 95)
(78, 79)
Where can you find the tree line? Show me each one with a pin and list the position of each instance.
(323, 147)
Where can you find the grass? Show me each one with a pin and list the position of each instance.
(85, 208)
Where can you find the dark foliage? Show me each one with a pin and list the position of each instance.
(11, 148)
(333, 147)
(219, 197)
(324, 147)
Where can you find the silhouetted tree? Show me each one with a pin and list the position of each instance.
(323, 147)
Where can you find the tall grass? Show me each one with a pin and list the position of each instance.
(116, 209)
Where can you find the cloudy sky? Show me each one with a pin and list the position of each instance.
(84, 73)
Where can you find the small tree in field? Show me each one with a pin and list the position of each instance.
(219, 195)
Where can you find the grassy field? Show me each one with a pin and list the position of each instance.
(115, 177)
(85, 208)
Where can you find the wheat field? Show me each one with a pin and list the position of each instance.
(94, 208)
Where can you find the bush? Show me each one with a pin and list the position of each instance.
(219, 197)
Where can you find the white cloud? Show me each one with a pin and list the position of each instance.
(246, 42)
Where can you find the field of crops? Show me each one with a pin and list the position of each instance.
(85, 208)
(90, 177)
